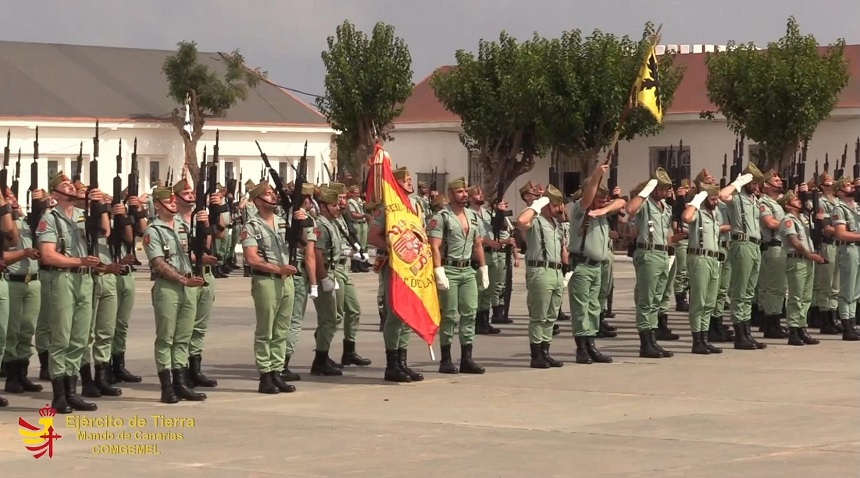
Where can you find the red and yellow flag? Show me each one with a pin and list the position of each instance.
(411, 285)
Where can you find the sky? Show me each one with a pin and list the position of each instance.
(285, 37)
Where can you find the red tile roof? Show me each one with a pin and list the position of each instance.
(424, 107)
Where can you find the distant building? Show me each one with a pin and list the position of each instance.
(426, 135)
(64, 89)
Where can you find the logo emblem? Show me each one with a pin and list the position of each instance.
(40, 439)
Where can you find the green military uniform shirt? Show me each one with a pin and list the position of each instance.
(543, 241)
(458, 243)
(769, 207)
(328, 240)
(705, 230)
(827, 206)
(654, 221)
(270, 243)
(355, 206)
(845, 215)
(595, 244)
(791, 225)
(69, 234)
(745, 215)
(724, 214)
(25, 266)
(161, 240)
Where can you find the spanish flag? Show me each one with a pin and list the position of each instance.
(411, 288)
(648, 86)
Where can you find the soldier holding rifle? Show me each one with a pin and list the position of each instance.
(772, 286)
(824, 311)
(491, 245)
(845, 219)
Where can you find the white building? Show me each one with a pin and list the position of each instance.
(426, 135)
(64, 89)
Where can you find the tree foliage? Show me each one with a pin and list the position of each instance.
(777, 97)
(367, 81)
(209, 93)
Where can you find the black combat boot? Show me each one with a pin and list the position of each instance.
(446, 365)
(663, 352)
(246, 270)
(544, 348)
(182, 386)
(828, 322)
(26, 384)
(773, 328)
(350, 357)
(804, 336)
(646, 348)
(3, 370)
(562, 317)
(848, 331)
(467, 365)
(741, 342)
(13, 384)
(714, 350)
(278, 380)
(482, 324)
(758, 345)
(75, 401)
(813, 318)
(402, 362)
(58, 386)
(715, 330)
(393, 372)
(287, 375)
(755, 315)
(699, 345)
(607, 314)
(168, 394)
(538, 360)
(582, 356)
(102, 383)
(120, 374)
(555, 330)
(595, 354)
(663, 331)
(267, 385)
(604, 330)
(499, 316)
(321, 365)
(197, 378)
(88, 385)
(681, 304)
(794, 336)
(43, 366)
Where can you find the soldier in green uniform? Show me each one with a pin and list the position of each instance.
(771, 286)
(9, 348)
(801, 260)
(43, 329)
(589, 252)
(325, 244)
(824, 311)
(744, 253)
(497, 279)
(265, 248)
(846, 224)
(395, 331)
(491, 247)
(175, 295)
(248, 211)
(651, 259)
(455, 237)
(681, 282)
(703, 263)
(359, 217)
(63, 250)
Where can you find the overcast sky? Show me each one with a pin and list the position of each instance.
(285, 37)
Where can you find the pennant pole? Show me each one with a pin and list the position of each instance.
(432, 355)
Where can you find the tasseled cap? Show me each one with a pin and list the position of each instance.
(638, 188)
(339, 187)
(258, 190)
(160, 194)
(555, 196)
(758, 176)
(308, 189)
(353, 189)
(770, 174)
(662, 177)
(457, 184)
(686, 183)
(79, 185)
(841, 182)
(474, 190)
(422, 184)
(439, 201)
(249, 184)
(528, 188)
(400, 174)
(182, 185)
(58, 179)
(700, 178)
(786, 198)
(823, 178)
(712, 189)
(328, 196)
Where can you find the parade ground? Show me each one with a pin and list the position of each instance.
(781, 412)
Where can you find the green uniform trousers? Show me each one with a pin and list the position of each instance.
(25, 300)
(607, 280)
(771, 284)
(125, 304)
(348, 310)
(459, 305)
(104, 319)
(799, 274)
(682, 279)
(175, 311)
(4, 314)
(361, 231)
(652, 274)
(544, 291)
(235, 233)
(849, 286)
(326, 306)
(273, 304)
(43, 323)
(583, 291)
(297, 314)
(492, 295)
(72, 304)
(204, 310)
(745, 259)
(725, 278)
(663, 307)
(704, 276)
(826, 285)
(395, 332)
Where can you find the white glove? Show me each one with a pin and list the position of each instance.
(347, 253)
(485, 277)
(567, 278)
(648, 189)
(441, 278)
(742, 181)
(357, 257)
(698, 199)
(314, 292)
(328, 285)
(539, 204)
(336, 285)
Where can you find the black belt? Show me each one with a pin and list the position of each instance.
(73, 270)
(795, 255)
(463, 263)
(488, 250)
(655, 247)
(22, 278)
(845, 243)
(359, 222)
(746, 238)
(267, 274)
(187, 276)
(827, 240)
(725, 244)
(547, 264)
(126, 270)
(581, 259)
(704, 252)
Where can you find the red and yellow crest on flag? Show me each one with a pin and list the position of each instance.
(411, 287)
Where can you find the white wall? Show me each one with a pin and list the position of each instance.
(421, 151)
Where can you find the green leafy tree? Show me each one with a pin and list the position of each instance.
(777, 97)
(498, 95)
(367, 81)
(208, 93)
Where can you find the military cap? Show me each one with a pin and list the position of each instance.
(473, 190)
(555, 196)
(686, 183)
(308, 189)
(577, 195)
(700, 178)
(400, 174)
(439, 201)
(258, 190)
(353, 189)
(328, 196)
(249, 184)
(841, 182)
(638, 188)
(756, 173)
(158, 183)
(662, 177)
(712, 189)
(601, 191)
(79, 185)
(58, 179)
(160, 194)
(786, 198)
(182, 185)
(339, 187)
(457, 183)
(823, 178)
(422, 184)
(770, 174)
(527, 188)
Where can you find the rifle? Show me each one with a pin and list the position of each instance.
(725, 164)
(611, 184)
(93, 212)
(37, 207)
(498, 223)
(351, 233)
(4, 174)
(200, 232)
(17, 177)
(839, 172)
(856, 164)
(119, 222)
(816, 232)
(169, 182)
(293, 236)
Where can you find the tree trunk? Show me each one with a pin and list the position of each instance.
(191, 163)
(504, 171)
